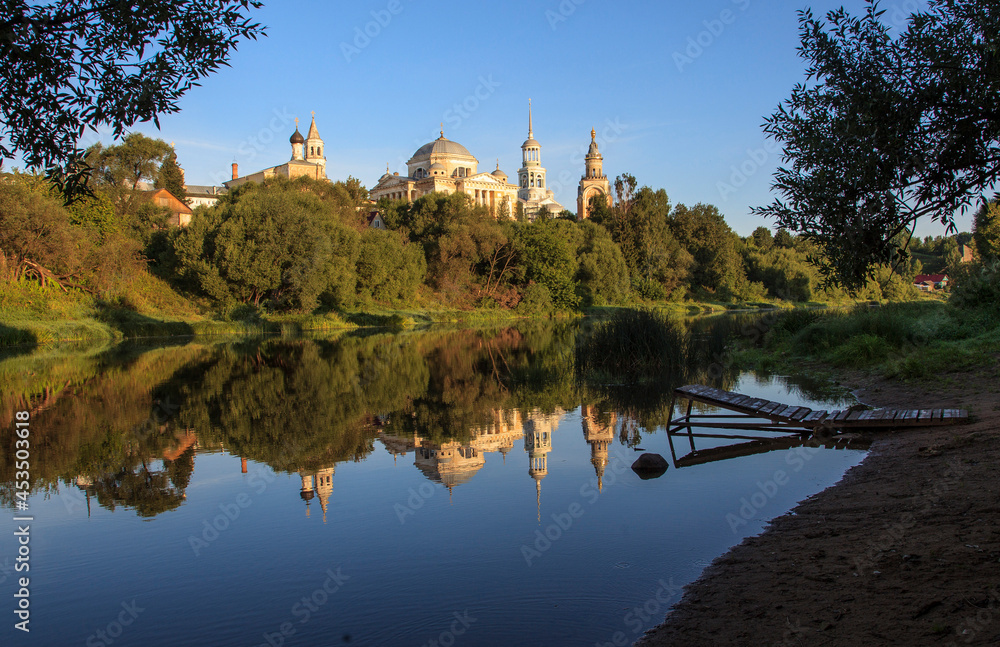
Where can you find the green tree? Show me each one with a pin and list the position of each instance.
(268, 242)
(119, 170)
(784, 239)
(170, 177)
(550, 248)
(986, 231)
(389, 268)
(71, 65)
(95, 212)
(762, 238)
(36, 236)
(889, 129)
(603, 275)
(718, 267)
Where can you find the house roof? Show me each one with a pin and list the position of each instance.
(930, 278)
(176, 205)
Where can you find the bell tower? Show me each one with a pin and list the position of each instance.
(531, 175)
(594, 182)
(313, 148)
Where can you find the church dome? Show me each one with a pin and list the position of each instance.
(441, 146)
(297, 137)
(531, 142)
(438, 167)
(499, 173)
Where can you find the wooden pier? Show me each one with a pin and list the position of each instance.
(757, 414)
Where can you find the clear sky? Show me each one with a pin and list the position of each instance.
(676, 90)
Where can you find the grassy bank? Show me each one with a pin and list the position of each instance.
(908, 341)
(31, 314)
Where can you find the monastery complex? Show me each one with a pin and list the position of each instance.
(445, 166)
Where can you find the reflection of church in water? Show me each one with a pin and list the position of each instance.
(454, 463)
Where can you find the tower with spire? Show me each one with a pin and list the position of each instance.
(538, 443)
(308, 159)
(531, 175)
(313, 148)
(599, 434)
(594, 182)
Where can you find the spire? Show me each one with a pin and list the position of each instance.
(313, 132)
(442, 130)
(538, 498)
(593, 135)
(530, 133)
(498, 163)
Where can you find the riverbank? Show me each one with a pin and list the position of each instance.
(903, 551)
(31, 315)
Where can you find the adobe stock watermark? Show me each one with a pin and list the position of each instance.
(563, 521)
(260, 479)
(304, 609)
(365, 34)
(458, 627)
(458, 114)
(414, 502)
(276, 128)
(109, 634)
(638, 618)
(753, 162)
(766, 490)
(714, 27)
(563, 11)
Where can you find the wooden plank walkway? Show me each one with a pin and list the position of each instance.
(783, 417)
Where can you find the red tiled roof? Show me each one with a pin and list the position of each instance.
(930, 278)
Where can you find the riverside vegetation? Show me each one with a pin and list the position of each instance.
(295, 255)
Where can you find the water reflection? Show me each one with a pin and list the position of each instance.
(124, 424)
(346, 447)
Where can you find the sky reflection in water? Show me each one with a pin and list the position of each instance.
(377, 489)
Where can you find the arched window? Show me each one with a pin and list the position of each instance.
(312, 151)
(319, 151)
(541, 183)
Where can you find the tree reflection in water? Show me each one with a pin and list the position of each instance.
(304, 405)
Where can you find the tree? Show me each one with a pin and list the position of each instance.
(718, 267)
(119, 170)
(389, 268)
(986, 233)
(887, 130)
(784, 239)
(71, 65)
(170, 177)
(268, 242)
(36, 236)
(762, 238)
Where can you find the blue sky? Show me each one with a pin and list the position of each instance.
(677, 91)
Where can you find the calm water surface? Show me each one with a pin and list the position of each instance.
(459, 486)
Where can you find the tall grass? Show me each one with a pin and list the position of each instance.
(632, 344)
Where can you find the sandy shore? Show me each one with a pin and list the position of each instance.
(905, 550)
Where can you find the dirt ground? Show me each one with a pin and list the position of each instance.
(905, 550)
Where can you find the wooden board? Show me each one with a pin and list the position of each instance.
(793, 415)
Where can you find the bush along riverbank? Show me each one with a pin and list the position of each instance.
(906, 341)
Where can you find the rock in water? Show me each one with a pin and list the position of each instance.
(650, 466)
